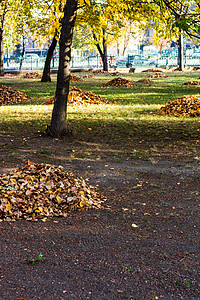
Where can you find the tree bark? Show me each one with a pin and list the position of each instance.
(180, 53)
(23, 52)
(105, 57)
(58, 127)
(118, 52)
(2, 19)
(103, 53)
(1, 53)
(46, 76)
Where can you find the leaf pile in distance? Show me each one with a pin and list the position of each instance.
(186, 106)
(107, 73)
(101, 72)
(158, 75)
(145, 80)
(192, 83)
(120, 82)
(115, 73)
(33, 75)
(88, 76)
(77, 96)
(10, 96)
(39, 191)
(73, 77)
(154, 70)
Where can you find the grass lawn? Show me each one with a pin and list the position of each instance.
(130, 127)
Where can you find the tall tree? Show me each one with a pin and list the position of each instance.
(19, 21)
(55, 13)
(58, 125)
(3, 11)
(104, 24)
(185, 16)
(102, 51)
(46, 76)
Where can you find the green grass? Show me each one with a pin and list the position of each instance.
(130, 125)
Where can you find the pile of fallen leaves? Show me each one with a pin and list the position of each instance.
(158, 75)
(154, 70)
(33, 75)
(10, 96)
(186, 69)
(192, 83)
(75, 78)
(115, 73)
(39, 191)
(10, 75)
(120, 82)
(187, 106)
(145, 80)
(101, 72)
(88, 76)
(78, 96)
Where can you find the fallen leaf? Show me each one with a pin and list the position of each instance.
(59, 200)
(134, 225)
(8, 207)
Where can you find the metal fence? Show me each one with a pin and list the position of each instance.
(96, 62)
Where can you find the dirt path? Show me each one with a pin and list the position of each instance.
(143, 245)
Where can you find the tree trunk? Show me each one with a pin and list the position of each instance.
(103, 53)
(2, 19)
(105, 57)
(1, 53)
(46, 76)
(118, 52)
(23, 52)
(180, 53)
(125, 44)
(58, 127)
